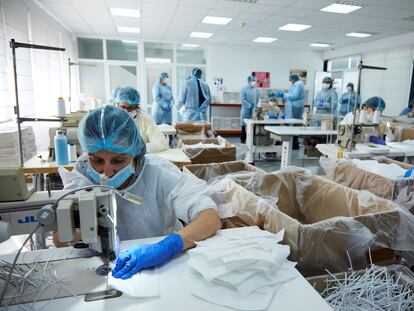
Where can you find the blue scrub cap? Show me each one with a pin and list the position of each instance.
(374, 103)
(294, 77)
(110, 128)
(163, 75)
(251, 79)
(127, 95)
(197, 73)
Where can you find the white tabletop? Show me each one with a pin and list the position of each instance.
(175, 287)
(274, 121)
(331, 150)
(407, 148)
(167, 129)
(298, 131)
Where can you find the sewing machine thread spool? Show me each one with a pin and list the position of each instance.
(377, 117)
(363, 116)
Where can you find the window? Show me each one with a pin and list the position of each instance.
(158, 53)
(122, 50)
(90, 48)
(344, 63)
(185, 56)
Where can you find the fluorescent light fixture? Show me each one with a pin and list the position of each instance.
(129, 41)
(158, 60)
(340, 8)
(125, 12)
(204, 35)
(294, 27)
(264, 40)
(189, 45)
(128, 29)
(320, 45)
(216, 20)
(358, 34)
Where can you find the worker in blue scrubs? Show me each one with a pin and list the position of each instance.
(295, 98)
(249, 97)
(163, 100)
(326, 100)
(348, 100)
(194, 98)
(408, 111)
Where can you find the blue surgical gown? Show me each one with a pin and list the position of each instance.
(249, 97)
(347, 102)
(326, 101)
(295, 101)
(163, 103)
(195, 98)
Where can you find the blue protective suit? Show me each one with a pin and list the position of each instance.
(326, 102)
(194, 99)
(347, 102)
(295, 101)
(249, 97)
(163, 103)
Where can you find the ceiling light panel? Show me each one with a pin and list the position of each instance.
(203, 35)
(125, 12)
(340, 8)
(320, 45)
(359, 34)
(128, 29)
(215, 20)
(264, 40)
(294, 27)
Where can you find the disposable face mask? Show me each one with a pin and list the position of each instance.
(133, 114)
(253, 83)
(349, 89)
(166, 80)
(325, 86)
(115, 181)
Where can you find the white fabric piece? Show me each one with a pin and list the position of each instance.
(227, 297)
(391, 171)
(205, 146)
(141, 285)
(241, 268)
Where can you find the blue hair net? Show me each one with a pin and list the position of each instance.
(197, 73)
(374, 103)
(251, 79)
(294, 77)
(163, 75)
(127, 95)
(110, 128)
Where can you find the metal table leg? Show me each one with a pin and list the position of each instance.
(287, 142)
(249, 139)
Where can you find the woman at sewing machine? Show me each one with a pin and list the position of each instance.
(115, 152)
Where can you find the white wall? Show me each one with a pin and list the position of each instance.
(393, 85)
(42, 75)
(235, 63)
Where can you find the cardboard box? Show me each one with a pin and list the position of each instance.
(194, 130)
(346, 173)
(199, 155)
(323, 220)
(214, 170)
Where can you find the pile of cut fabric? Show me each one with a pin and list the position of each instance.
(241, 268)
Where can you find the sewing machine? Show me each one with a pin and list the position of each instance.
(92, 211)
(348, 135)
(328, 121)
(70, 129)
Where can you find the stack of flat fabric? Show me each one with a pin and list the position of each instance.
(9, 145)
(241, 268)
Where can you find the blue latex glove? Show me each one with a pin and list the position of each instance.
(144, 256)
(409, 172)
(271, 115)
(280, 94)
(168, 107)
(283, 117)
(251, 106)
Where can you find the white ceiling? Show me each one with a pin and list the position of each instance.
(174, 20)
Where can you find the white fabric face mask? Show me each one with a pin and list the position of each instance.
(325, 86)
(349, 89)
(253, 83)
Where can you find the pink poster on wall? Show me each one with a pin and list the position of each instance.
(263, 79)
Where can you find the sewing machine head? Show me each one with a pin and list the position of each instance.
(348, 135)
(328, 121)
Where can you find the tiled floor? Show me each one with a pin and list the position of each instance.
(298, 159)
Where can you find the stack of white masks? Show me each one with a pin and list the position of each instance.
(241, 268)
